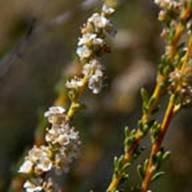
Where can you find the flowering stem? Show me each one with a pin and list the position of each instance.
(62, 141)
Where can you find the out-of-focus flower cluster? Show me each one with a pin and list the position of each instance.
(167, 4)
(41, 163)
(91, 46)
(169, 9)
(182, 80)
(176, 15)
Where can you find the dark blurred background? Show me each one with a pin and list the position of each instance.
(37, 44)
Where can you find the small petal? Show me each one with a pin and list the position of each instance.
(30, 187)
(98, 20)
(54, 111)
(107, 10)
(95, 83)
(83, 52)
(26, 167)
(44, 165)
(91, 67)
(86, 39)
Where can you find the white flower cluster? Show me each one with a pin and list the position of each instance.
(37, 161)
(93, 70)
(62, 147)
(91, 45)
(66, 140)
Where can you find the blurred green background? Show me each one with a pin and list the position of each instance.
(37, 44)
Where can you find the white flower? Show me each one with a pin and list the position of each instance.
(58, 135)
(90, 39)
(55, 114)
(107, 10)
(35, 153)
(66, 155)
(61, 135)
(44, 164)
(55, 110)
(98, 20)
(67, 140)
(98, 42)
(91, 67)
(74, 83)
(44, 154)
(86, 38)
(30, 187)
(95, 82)
(40, 158)
(26, 167)
(63, 139)
(73, 135)
(83, 52)
(93, 70)
(87, 69)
